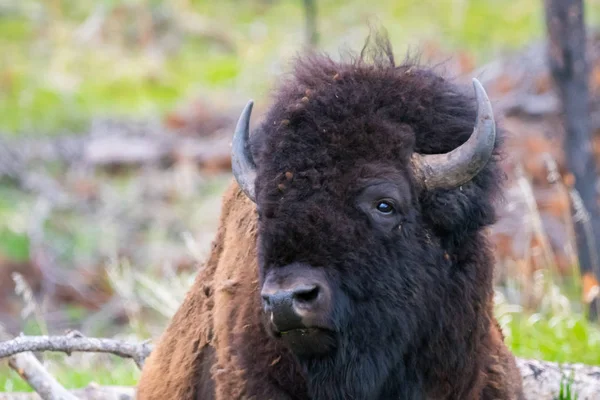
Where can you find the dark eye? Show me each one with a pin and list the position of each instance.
(385, 207)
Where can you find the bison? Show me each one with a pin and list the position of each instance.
(351, 260)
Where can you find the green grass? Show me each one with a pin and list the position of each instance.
(14, 243)
(115, 372)
(557, 331)
(568, 339)
(565, 389)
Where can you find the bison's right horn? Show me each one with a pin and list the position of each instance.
(242, 164)
(450, 170)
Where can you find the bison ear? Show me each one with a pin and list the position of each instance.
(242, 164)
(462, 164)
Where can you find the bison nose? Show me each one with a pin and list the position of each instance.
(293, 307)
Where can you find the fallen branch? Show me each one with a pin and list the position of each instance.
(541, 379)
(110, 149)
(33, 372)
(131, 151)
(91, 392)
(70, 343)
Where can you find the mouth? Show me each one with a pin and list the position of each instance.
(301, 331)
(308, 341)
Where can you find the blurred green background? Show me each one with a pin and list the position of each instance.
(132, 237)
(64, 61)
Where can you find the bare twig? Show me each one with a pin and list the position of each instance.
(536, 220)
(70, 343)
(23, 289)
(554, 178)
(31, 370)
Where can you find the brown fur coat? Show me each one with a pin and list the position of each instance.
(210, 318)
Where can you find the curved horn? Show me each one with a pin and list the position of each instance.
(459, 166)
(242, 164)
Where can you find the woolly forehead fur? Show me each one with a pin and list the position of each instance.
(330, 119)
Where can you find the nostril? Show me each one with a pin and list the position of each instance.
(266, 300)
(307, 295)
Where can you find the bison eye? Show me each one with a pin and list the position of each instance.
(385, 207)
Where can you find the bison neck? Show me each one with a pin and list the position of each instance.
(366, 378)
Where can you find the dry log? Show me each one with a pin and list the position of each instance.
(542, 379)
(124, 150)
(112, 145)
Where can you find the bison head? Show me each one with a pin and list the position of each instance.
(370, 182)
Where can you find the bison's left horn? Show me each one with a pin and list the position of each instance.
(459, 166)
(242, 164)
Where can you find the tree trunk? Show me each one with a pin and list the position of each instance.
(569, 68)
(312, 34)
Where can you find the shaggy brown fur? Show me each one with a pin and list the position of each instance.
(220, 311)
(412, 311)
(181, 368)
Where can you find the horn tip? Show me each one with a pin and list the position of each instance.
(482, 97)
(248, 107)
(477, 85)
